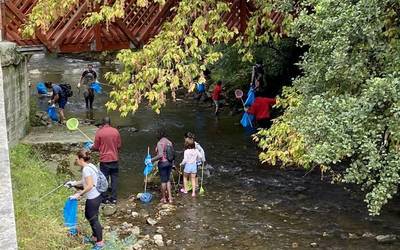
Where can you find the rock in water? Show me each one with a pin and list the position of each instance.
(135, 231)
(151, 221)
(313, 244)
(158, 239)
(109, 210)
(135, 214)
(389, 238)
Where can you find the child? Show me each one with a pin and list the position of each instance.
(217, 96)
(200, 160)
(189, 162)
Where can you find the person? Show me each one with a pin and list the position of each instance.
(190, 157)
(216, 96)
(200, 160)
(164, 166)
(58, 97)
(108, 142)
(93, 197)
(88, 77)
(200, 91)
(261, 109)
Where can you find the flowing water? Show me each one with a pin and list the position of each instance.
(246, 205)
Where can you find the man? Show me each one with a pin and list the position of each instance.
(59, 97)
(88, 77)
(217, 96)
(108, 142)
(261, 109)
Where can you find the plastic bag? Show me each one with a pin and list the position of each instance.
(247, 120)
(71, 215)
(250, 97)
(200, 87)
(41, 88)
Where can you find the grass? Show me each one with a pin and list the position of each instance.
(39, 221)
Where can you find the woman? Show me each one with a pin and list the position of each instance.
(164, 166)
(93, 201)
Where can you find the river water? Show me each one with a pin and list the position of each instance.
(246, 205)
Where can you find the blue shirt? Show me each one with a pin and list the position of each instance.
(57, 90)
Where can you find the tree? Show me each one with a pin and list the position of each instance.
(344, 111)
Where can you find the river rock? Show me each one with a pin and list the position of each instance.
(158, 239)
(368, 235)
(135, 214)
(389, 238)
(169, 242)
(109, 210)
(160, 230)
(313, 244)
(144, 213)
(151, 221)
(177, 226)
(295, 245)
(135, 230)
(139, 244)
(353, 236)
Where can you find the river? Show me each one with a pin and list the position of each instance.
(246, 205)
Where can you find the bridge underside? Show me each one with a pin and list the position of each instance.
(67, 35)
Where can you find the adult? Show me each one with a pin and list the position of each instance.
(261, 109)
(217, 96)
(164, 165)
(108, 142)
(93, 197)
(58, 97)
(88, 77)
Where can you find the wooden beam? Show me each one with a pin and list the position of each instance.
(78, 14)
(126, 31)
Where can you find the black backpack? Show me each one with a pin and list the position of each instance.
(67, 89)
(169, 153)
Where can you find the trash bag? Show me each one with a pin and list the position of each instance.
(52, 113)
(250, 97)
(247, 120)
(96, 87)
(71, 215)
(41, 88)
(200, 87)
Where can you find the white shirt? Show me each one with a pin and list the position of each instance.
(201, 150)
(90, 170)
(190, 156)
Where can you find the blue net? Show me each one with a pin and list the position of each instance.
(52, 113)
(41, 88)
(247, 120)
(250, 97)
(146, 197)
(71, 215)
(148, 165)
(96, 87)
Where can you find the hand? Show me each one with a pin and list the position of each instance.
(53, 105)
(70, 184)
(75, 196)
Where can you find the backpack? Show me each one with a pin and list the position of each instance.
(102, 183)
(67, 89)
(169, 153)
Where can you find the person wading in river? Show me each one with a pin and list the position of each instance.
(164, 165)
(59, 96)
(261, 109)
(217, 96)
(200, 160)
(190, 157)
(93, 197)
(88, 77)
(108, 142)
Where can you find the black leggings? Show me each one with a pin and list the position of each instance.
(92, 215)
(89, 98)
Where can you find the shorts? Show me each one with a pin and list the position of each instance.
(62, 102)
(164, 168)
(190, 168)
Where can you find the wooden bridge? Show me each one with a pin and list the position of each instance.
(139, 25)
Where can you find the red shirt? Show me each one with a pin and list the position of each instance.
(216, 94)
(107, 141)
(261, 107)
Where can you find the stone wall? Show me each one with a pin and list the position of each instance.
(8, 238)
(16, 92)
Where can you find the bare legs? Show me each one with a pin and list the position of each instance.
(193, 178)
(166, 193)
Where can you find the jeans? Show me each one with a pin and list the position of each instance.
(92, 215)
(110, 171)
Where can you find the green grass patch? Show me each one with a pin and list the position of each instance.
(39, 221)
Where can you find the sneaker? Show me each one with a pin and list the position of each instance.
(89, 239)
(183, 191)
(99, 245)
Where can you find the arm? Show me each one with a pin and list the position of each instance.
(159, 153)
(55, 98)
(96, 145)
(119, 143)
(89, 186)
(185, 156)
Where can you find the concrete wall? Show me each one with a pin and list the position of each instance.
(16, 92)
(8, 239)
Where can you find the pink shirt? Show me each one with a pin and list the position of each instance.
(190, 156)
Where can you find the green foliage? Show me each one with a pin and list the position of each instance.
(39, 222)
(350, 96)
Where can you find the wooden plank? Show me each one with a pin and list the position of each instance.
(78, 14)
(126, 31)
